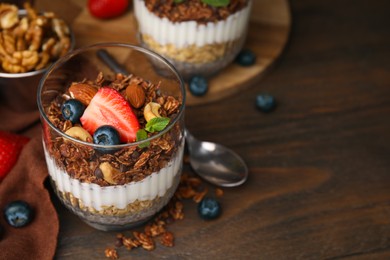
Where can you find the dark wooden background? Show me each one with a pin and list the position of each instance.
(319, 185)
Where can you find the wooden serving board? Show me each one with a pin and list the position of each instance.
(268, 34)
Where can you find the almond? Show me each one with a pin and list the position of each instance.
(135, 95)
(82, 92)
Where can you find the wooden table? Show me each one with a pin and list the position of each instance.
(319, 185)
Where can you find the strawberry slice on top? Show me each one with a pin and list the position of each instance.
(109, 107)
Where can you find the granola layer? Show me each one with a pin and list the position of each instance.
(116, 200)
(191, 54)
(193, 60)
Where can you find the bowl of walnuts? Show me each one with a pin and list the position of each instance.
(30, 41)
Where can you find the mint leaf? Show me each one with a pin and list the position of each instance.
(156, 124)
(178, 1)
(217, 3)
(142, 135)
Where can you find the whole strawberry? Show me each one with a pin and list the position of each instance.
(106, 9)
(10, 147)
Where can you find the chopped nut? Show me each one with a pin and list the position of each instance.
(151, 111)
(8, 16)
(79, 133)
(32, 41)
(109, 173)
(44, 58)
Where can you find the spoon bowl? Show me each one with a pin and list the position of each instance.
(216, 163)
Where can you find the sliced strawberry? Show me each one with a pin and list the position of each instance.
(10, 147)
(108, 107)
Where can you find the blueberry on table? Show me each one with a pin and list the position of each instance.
(106, 135)
(198, 86)
(18, 213)
(209, 208)
(72, 109)
(246, 58)
(265, 102)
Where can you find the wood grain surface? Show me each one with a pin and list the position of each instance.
(319, 185)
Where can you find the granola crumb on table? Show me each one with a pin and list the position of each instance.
(156, 230)
(111, 253)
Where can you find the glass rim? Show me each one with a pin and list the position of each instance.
(107, 45)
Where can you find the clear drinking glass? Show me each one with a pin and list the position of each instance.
(194, 48)
(153, 165)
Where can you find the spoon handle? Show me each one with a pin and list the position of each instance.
(111, 62)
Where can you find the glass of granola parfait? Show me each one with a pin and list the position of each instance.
(113, 142)
(29, 42)
(199, 37)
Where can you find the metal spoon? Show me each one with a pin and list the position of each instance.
(213, 162)
(216, 163)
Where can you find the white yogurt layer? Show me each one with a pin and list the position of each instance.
(93, 195)
(182, 34)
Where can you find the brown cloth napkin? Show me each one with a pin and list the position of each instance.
(25, 182)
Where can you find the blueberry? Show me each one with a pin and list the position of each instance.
(198, 85)
(106, 135)
(265, 102)
(72, 109)
(18, 213)
(209, 208)
(246, 58)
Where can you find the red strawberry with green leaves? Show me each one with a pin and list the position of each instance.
(109, 107)
(106, 9)
(10, 147)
